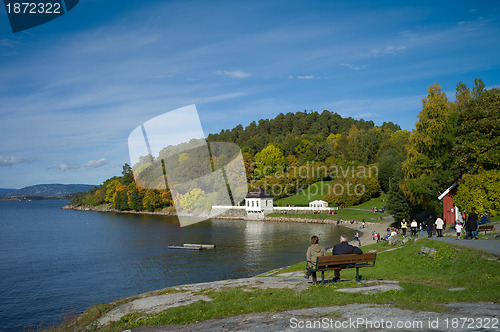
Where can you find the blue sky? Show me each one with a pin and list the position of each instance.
(73, 89)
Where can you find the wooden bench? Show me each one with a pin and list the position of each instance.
(339, 262)
(485, 228)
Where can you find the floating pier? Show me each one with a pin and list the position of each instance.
(191, 246)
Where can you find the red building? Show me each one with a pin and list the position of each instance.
(450, 211)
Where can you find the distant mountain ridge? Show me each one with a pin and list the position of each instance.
(46, 190)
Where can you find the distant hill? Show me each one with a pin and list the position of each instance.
(45, 190)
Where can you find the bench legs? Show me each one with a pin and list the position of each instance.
(358, 277)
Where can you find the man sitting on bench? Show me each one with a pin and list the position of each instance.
(343, 248)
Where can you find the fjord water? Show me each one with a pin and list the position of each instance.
(55, 261)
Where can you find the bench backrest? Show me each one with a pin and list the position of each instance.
(346, 259)
(486, 226)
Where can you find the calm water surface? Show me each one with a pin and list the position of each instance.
(54, 261)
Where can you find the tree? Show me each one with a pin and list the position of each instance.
(305, 150)
(352, 190)
(398, 204)
(110, 190)
(477, 144)
(389, 163)
(152, 200)
(480, 191)
(428, 164)
(128, 176)
(134, 197)
(270, 160)
(120, 199)
(352, 149)
(192, 201)
(291, 161)
(249, 162)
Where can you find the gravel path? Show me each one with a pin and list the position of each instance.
(492, 246)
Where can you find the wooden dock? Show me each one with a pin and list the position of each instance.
(191, 246)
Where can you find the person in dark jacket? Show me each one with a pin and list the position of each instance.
(343, 248)
(430, 225)
(472, 223)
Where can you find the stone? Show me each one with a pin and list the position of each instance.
(427, 251)
(371, 289)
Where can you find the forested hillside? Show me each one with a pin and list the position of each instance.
(452, 141)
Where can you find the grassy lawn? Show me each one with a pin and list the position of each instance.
(317, 190)
(379, 202)
(344, 214)
(425, 280)
(314, 192)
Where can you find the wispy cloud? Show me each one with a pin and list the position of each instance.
(388, 50)
(11, 160)
(97, 163)
(301, 77)
(64, 167)
(233, 74)
(352, 67)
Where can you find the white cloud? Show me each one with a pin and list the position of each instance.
(301, 77)
(64, 167)
(233, 74)
(351, 66)
(97, 163)
(11, 160)
(388, 50)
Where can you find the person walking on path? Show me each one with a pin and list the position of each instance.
(472, 224)
(404, 226)
(430, 225)
(439, 227)
(313, 252)
(343, 248)
(458, 228)
(413, 227)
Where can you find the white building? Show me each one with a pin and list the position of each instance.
(319, 204)
(258, 203)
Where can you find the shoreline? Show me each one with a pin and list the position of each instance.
(364, 233)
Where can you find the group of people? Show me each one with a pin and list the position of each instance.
(316, 250)
(429, 225)
(469, 223)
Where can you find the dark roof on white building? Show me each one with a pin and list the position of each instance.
(259, 193)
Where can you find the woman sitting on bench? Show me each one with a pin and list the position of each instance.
(313, 252)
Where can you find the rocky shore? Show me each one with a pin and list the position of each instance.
(102, 208)
(349, 317)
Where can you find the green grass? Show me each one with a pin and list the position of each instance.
(379, 202)
(425, 281)
(451, 266)
(344, 214)
(316, 191)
